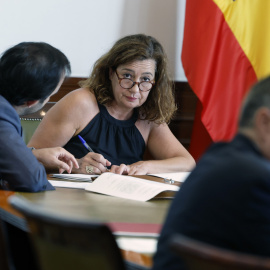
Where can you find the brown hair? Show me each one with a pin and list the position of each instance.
(160, 104)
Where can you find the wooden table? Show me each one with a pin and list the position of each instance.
(82, 204)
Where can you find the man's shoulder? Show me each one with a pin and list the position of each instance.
(240, 148)
(6, 109)
(229, 163)
(8, 115)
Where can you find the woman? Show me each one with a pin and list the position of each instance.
(122, 107)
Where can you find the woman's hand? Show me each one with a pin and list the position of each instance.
(92, 163)
(138, 168)
(56, 157)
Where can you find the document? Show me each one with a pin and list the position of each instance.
(68, 184)
(128, 187)
(139, 245)
(121, 186)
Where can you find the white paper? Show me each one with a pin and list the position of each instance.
(128, 187)
(68, 184)
(178, 177)
(139, 245)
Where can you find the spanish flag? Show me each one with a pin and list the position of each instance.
(226, 49)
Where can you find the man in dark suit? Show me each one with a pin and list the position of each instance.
(30, 73)
(225, 201)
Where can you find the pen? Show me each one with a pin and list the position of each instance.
(85, 144)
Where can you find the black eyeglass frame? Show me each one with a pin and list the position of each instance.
(138, 83)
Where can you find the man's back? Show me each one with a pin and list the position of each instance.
(225, 202)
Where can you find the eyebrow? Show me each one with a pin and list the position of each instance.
(131, 70)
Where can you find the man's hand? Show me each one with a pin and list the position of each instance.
(56, 157)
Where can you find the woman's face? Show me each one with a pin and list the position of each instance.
(137, 71)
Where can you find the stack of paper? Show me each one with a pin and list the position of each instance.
(75, 177)
(121, 186)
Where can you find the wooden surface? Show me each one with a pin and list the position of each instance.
(87, 205)
(82, 204)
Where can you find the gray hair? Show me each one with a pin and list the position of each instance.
(258, 96)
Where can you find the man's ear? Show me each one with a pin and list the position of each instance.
(262, 121)
(31, 103)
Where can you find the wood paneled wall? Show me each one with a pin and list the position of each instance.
(182, 123)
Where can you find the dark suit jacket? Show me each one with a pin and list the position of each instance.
(225, 201)
(19, 168)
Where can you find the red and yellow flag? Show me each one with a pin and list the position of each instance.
(226, 49)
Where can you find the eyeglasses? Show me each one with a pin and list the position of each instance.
(144, 86)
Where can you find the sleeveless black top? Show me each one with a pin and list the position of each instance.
(119, 141)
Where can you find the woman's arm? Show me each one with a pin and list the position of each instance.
(168, 153)
(66, 119)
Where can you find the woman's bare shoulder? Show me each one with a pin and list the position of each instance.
(80, 95)
(82, 100)
(77, 108)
